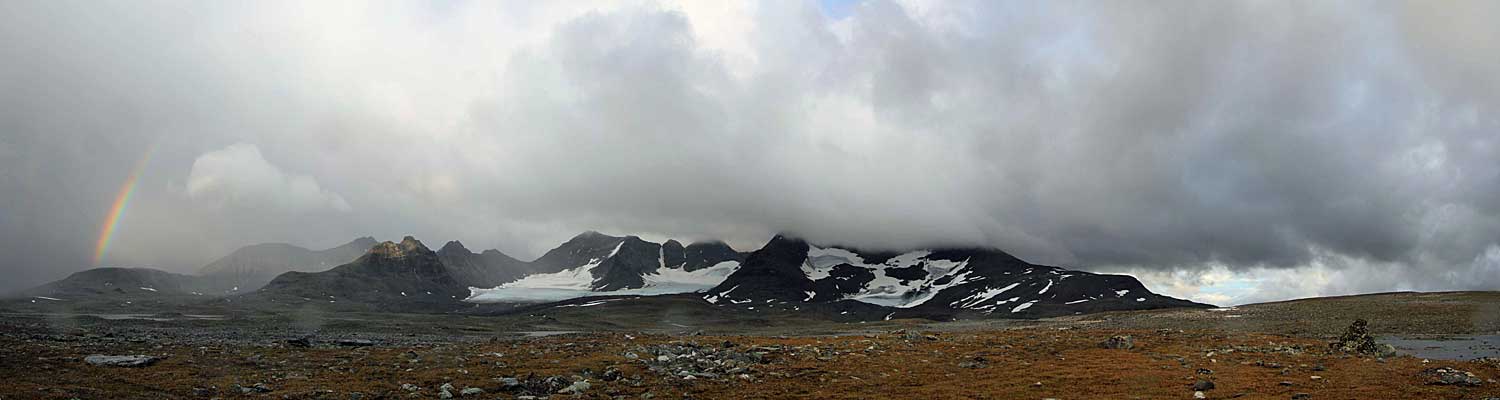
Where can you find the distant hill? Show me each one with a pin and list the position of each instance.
(120, 283)
(485, 269)
(251, 267)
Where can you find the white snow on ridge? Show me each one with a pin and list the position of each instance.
(981, 297)
(578, 281)
(1023, 306)
(886, 290)
(820, 261)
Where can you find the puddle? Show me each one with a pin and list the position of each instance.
(1460, 348)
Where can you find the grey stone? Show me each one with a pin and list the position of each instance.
(1118, 342)
(121, 361)
(576, 388)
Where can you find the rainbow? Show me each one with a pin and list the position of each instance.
(122, 200)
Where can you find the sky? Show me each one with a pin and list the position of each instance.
(1227, 152)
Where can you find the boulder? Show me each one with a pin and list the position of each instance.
(121, 361)
(1118, 342)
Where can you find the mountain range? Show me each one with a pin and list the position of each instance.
(787, 273)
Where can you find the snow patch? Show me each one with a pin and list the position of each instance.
(578, 282)
(1023, 306)
(981, 297)
(886, 290)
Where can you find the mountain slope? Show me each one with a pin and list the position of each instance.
(251, 267)
(485, 269)
(985, 281)
(398, 276)
(110, 282)
(593, 264)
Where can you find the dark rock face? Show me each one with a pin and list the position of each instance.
(625, 266)
(486, 269)
(844, 280)
(929, 282)
(577, 251)
(673, 255)
(772, 273)
(397, 275)
(700, 255)
(251, 267)
(914, 272)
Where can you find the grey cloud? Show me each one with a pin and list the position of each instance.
(1151, 137)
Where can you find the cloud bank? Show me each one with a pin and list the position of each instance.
(1353, 141)
(238, 176)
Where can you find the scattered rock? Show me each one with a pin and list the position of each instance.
(121, 361)
(471, 391)
(1199, 395)
(355, 342)
(256, 388)
(1450, 376)
(1118, 342)
(410, 387)
(1201, 386)
(611, 374)
(445, 391)
(576, 388)
(689, 360)
(1301, 396)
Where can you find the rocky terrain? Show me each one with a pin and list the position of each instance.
(571, 353)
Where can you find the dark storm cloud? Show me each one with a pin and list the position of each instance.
(1189, 139)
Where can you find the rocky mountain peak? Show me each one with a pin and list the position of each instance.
(454, 246)
(408, 246)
